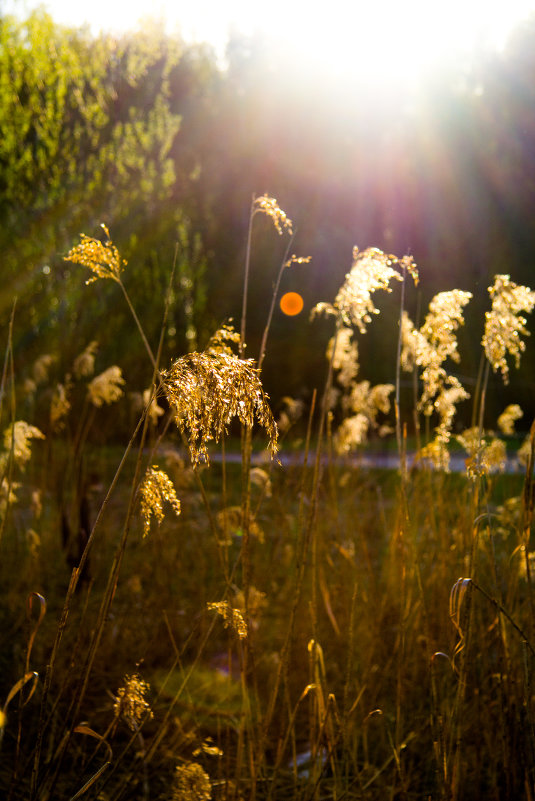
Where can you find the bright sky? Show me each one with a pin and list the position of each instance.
(379, 37)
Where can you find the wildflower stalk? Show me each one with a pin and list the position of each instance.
(246, 279)
(284, 264)
(109, 592)
(8, 367)
(139, 326)
(401, 449)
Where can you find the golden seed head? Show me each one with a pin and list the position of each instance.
(18, 436)
(207, 390)
(270, 207)
(84, 364)
(483, 457)
(219, 342)
(372, 270)
(60, 406)
(506, 421)
(130, 703)
(101, 258)
(430, 346)
(191, 783)
(351, 433)
(436, 453)
(504, 323)
(106, 387)
(41, 367)
(292, 411)
(156, 488)
(233, 619)
(297, 260)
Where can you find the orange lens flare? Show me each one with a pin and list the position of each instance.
(291, 303)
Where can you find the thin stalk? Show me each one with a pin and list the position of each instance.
(246, 279)
(274, 296)
(139, 326)
(8, 366)
(401, 450)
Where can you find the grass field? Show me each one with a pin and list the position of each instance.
(179, 628)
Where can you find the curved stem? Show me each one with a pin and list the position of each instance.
(246, 279)
(262, 351)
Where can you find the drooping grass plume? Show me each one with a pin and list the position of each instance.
(207, 390)
(156, 489)
(233, 619)
(18, 437)
(270, 207)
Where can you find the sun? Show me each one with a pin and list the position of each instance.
(377, 44)
(393, 42)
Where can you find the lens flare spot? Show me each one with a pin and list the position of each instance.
(291, 303)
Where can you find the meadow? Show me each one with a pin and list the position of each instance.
(179, 623)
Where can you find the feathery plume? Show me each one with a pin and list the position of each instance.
(156, 488)
(207, 390)
(504, 323)
(106, 387)
(101, 258)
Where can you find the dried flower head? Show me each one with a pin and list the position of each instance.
(130, 703)
(504, 324)
(292, 411)
(351, 433)
(18, 436)
(207, 390)
(506, 421)
(106, 387)
(429, 347)
(436, 341)
(60, 407)
(371, 270)
(219, 342)
(297, 260)
(230, 521)
(260, 478)
(156, 488)
(84, 364)
(268, 205)
(232, 618)
(436, 453)
(101, 258)
(41, 368)
(483, 457)
(257, 602)
(191, 783)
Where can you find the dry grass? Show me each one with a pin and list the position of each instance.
(307, 632)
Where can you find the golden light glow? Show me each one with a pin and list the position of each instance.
(291, 304)
(388, 43)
